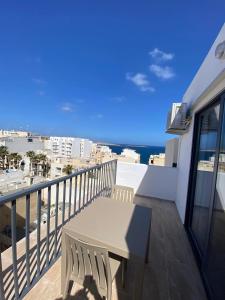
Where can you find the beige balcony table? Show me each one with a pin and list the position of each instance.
(123, 228)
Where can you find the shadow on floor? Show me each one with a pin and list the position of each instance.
(89, 288)
(8, 279)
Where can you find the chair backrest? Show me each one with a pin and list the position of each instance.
(122, 193)
(84, 259)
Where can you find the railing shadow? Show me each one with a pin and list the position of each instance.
(21, 264)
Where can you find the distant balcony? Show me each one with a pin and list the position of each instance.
(30, 267)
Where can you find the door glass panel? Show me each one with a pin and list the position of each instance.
(205, 159)
(216, 256)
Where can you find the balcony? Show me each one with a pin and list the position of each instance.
(30, 267)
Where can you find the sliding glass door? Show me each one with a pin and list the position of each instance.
(204, 170)
(215, 262)
(206, 220)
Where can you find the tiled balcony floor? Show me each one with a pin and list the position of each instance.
(171, 273)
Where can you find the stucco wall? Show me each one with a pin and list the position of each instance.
(203, 89)
(171, 152)
(150, 181)
(21, 145)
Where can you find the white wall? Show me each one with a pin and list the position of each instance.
(150, 181)
(171, 152)
(204, 87)
(21, 144)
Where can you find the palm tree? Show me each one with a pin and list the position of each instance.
(43, 160)
(14, 159)
(3, 155)
(68, 169)
(38, 159)
(30, 154)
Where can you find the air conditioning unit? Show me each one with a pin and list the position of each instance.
(178, 119)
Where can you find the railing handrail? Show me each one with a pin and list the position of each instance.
(36, 187)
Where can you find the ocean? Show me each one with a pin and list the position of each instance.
(144, 151)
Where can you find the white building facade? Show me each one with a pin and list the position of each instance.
(69, 147)
(200, 193)
(132, 154)
(22, 145)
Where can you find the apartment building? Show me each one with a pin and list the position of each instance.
(59, 163)
(102, 153)
(69, 147)
(22, 145)
(157, 159)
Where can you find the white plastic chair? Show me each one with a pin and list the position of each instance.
(122, 193)
(84, 259)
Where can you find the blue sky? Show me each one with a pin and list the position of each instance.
(106, 70)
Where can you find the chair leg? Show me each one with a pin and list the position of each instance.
(65, 292)
(109, 292)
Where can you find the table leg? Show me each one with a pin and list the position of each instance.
(137, 285)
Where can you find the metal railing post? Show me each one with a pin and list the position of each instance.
(91, 187)
(84, 190)
(48, 226)
(56, 218)
(2, 293)
(81, 176)
(27, 230)
(75, 196)
(39, 232)
(70, 195)
(14, 248)
(64, 202)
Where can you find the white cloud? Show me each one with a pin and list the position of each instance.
(39, 81)
(160, 55)
(67, 107)
(141, 81)
(162, 72)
